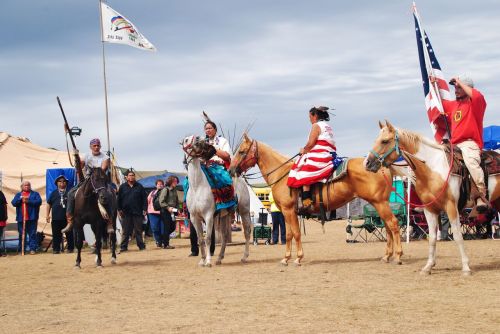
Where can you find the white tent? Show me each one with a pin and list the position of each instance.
(256, 206)
(21, 160)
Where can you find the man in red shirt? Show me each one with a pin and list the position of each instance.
(465, 116)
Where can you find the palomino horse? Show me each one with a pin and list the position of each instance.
(357, 183)
(201, 204)
(430, 168)
(93, 200)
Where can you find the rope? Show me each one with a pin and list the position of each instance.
(262, 175)
(445, 184)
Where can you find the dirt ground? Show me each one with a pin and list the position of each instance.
(340, 288)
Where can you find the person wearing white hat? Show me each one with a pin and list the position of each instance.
(465, 116)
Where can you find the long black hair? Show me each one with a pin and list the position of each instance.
(322, 113)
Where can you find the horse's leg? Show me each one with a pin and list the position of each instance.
(432, 222)
(247, 230)
(96, 227)
(197, 224)
(223, 225)
(112, 240)
(454, 218)
(79, 242)
(208, 240)
(289, 216)
(393, 246)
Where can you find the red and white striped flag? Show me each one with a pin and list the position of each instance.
(429, 66)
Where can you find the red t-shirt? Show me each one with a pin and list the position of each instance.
(466, 118)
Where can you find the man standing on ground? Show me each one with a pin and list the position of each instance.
(27, 203)
(57, 203)
(132, 206)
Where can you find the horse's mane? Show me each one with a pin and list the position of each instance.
(280, 155)
(415, 139)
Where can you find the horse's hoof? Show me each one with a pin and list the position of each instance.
(467, 273)
(284, 262)
(244, 260)
(77, 267)
(297, 263)
(385, 259)
(113, 260)
(398, 262)
(98, 266)
(208, 265)
(425, 272)
(218, 262)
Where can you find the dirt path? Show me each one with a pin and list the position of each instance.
(341, 288)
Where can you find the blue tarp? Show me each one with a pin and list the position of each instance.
(149, 182)
(51, 175)
(491, 137)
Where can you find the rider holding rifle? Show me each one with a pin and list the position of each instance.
(94, 159)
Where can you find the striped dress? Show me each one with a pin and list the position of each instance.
(317, 164)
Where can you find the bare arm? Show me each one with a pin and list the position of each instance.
(47, 215)
(467, 89)
(313, 137)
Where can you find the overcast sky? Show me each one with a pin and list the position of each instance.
(259, 61)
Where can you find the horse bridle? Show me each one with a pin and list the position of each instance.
(381, 158)
(95, 190)
(250, 156)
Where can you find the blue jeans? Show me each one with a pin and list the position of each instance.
(156, 226)
(30, 239)
(278, 226)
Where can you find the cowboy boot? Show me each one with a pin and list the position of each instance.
(482, 203)
(69, 226)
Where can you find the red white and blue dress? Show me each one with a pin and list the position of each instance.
(317, 164)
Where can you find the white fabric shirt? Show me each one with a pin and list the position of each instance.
(220, 143)
(93, 161)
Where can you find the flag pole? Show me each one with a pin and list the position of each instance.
(105, 81)
(429, 66)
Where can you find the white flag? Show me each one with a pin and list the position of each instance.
(116, 28)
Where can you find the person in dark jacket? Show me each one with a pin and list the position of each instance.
(27, 203)
(169, 204)
(57, 204)
(132, 206)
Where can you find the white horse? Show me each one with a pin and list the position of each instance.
(430, 168)
(201, 204)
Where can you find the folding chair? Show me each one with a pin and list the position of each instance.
(419, 224)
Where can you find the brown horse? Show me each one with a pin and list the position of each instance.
(430, 170)
(357, 183)
(95, 203)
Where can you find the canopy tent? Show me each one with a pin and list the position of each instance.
(491, 137)
(149, 182)
(21, 160)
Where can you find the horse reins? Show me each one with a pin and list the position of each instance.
(252, 176)
(396, 148)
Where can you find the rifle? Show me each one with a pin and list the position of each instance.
(78, 163)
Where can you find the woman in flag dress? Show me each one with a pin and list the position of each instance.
(316, 161)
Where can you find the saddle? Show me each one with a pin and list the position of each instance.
(490, 164)
(317, 193)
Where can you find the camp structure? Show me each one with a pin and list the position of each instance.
(21, 160)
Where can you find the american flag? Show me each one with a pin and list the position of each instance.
(429, 66)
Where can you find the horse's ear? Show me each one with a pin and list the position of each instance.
(389, 125)
(380, 124)
(245, 136)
